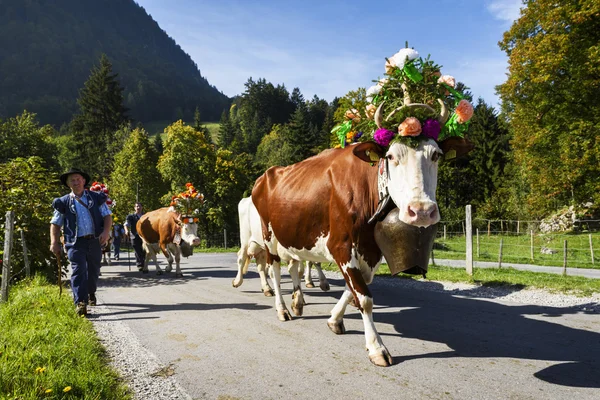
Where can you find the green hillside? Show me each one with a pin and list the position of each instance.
(48, 49)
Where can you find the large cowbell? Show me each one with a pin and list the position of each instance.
(406, 248)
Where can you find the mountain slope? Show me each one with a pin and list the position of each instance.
(49, 47)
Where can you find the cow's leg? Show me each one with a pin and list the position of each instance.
(336, 321)
(356, 283)
(243, 260)
(155, 250)
(323, 283)
(274, 263)
(261, 266)
(308, 282)
(176, 250)
(297, 296)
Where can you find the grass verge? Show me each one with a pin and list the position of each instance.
(575, 285)
(47, 352)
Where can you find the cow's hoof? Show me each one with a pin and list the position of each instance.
(324, 286)
(383, 359)
(337, 327)
(179, 275)
(298, 311)
(236, 285)
(284, 315)
(159, 272)
(310, 285)
(268, 292)
(168, 269)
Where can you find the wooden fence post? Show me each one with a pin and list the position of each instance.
(591, 249)
(565, 258)
(501, 227)
(531, 245)
(477, 242)
(489, 225)
(518, 226)
(8, 238)
(225, 237)
(25, 257)
(469, 239)
(500, 253)
(444, 232)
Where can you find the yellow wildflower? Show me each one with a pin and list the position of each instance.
(67, 389)
(40, 370)
(48, 391)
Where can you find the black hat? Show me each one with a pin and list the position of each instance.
(63, 177)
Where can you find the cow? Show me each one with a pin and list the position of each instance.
(319, 210)
(252, 246)
(166, 230)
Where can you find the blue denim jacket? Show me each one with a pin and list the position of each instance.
(65, 205)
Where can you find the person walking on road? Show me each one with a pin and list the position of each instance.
(118, 232)
(86, 221)
(130, 229)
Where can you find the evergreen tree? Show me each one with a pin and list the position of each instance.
(200, 127)
(101, 114)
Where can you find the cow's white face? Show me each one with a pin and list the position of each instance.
(413, 181)
(189, 231)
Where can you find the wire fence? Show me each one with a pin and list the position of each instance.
(521, 242)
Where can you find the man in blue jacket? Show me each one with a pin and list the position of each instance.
(86, 222)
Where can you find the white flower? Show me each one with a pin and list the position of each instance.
(372, 92)
(402, 56)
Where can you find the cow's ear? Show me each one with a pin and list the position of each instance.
(455, 147)
(368, 151)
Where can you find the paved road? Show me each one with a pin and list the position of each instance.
(227, 343)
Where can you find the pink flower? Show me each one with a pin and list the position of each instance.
(410, 127)
(464, 111)
(353, 115)
(431, 129)
(370, 111)
(448, 80)
(383, 137)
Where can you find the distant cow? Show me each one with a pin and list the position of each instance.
(252, 246)
(165, 230)
(106, 250)
(308, 282)
(319, 210)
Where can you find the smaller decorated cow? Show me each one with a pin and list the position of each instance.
(172, 230)
(101, 187)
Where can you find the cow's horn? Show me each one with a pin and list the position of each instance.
(443, 113)
(378, 116)
(406, 95)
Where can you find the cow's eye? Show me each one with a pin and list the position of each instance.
(435, 156)
(390, 157)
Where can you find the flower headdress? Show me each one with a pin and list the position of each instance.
(188, 202)
(413, 102)
(101, 187)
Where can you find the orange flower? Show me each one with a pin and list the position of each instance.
(187, 185)
(410, 127)
(353, 115)
(370, 109)
(464, 111)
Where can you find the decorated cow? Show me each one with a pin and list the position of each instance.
(373, 196)
(172, 230)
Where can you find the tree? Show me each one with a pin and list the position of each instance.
(27, 188)
(187, 157)
(200, 127)
(551, 99)
(101, 114)
(135, 177)
(22, 136)
(274, 149)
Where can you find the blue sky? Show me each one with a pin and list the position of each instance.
(327, 48)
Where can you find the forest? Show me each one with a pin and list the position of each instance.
(538, 154)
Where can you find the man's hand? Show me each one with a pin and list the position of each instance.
(55, 248)
(103, 237)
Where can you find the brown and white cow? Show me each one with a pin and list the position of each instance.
(319, 208)
(165, 230)
(252, 246)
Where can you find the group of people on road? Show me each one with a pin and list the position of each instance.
(86, 224)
